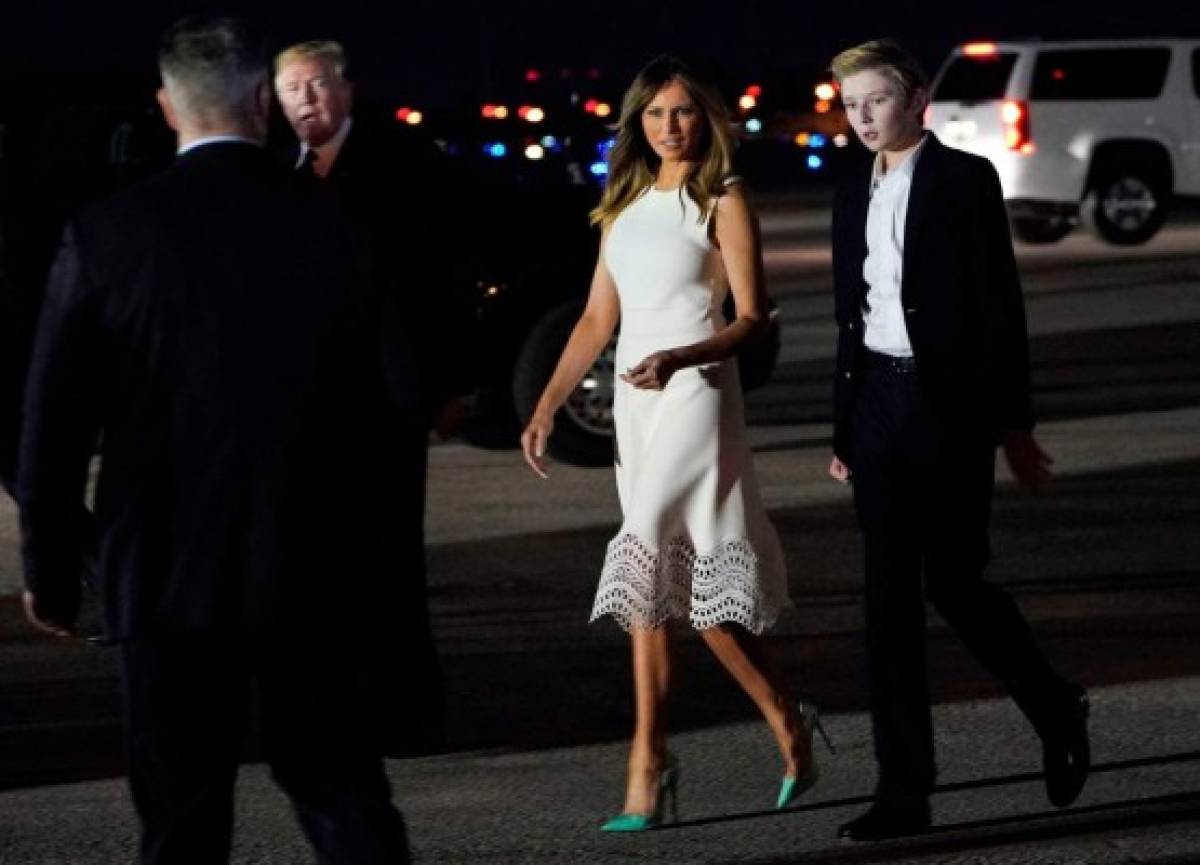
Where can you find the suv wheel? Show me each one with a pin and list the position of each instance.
(1034, 230)
(583, 428)
(1125, 207)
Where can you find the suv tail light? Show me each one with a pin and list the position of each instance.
(1015, 115)
(981, 49)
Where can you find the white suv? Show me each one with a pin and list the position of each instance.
(1107, 132)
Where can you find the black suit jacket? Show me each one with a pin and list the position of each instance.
(394, 191)
(960, 291)
(208, 330)
(399, 196)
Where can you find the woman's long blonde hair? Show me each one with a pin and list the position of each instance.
(632, 162)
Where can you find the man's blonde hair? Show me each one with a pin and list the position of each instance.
(320, 49)
(887, 57)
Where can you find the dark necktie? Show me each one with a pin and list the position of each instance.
(308, 163)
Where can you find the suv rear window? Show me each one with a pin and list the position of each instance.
(975, 79)
(1100, 73)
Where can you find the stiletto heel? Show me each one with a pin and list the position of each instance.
(668, 786)
(795, 786)
(820, 728)
(672, 790)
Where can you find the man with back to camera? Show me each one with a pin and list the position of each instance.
(932, 374)
(210, 326)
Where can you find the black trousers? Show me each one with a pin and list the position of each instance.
(188, 703)
(923, 492)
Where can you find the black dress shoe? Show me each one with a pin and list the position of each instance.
(883, 821)
(1066, 752)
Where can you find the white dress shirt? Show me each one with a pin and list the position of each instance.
(883, 268)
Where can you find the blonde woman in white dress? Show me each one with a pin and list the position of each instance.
(695, 543)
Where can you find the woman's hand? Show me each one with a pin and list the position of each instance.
(1030, 464)
(839, 471)
(654, 371)
(533, 441)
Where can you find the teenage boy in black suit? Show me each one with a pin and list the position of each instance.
(932, 375)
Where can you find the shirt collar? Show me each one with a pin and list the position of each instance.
(215, 139)
(879, 177)
(332, 146)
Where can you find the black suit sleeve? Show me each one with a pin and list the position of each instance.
(837, 232)
(61, 425)
(1005, 311)
(847, 313)
(436, 307)
(12, 366)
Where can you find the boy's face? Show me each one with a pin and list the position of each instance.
(882, 117)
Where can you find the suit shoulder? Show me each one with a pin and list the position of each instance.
(115, 213)
(388, 145)
(969, 166)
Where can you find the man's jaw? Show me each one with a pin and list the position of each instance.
(311, 131)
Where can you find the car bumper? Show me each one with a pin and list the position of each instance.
(1044, 176)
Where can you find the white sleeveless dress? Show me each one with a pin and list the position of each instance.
(695, 542)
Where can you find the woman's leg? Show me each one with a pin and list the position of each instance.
(742, 654)
(651, 683)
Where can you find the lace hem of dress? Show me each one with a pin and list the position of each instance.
(642, 588)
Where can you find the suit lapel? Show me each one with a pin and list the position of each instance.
(343, 166)
(923, 180)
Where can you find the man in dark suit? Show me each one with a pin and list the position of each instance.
(397, 193)
(209, 328)
(932, 375)
(393, 190)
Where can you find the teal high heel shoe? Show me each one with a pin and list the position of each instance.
(668, 781)
(793, 787)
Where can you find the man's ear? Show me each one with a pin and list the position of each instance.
(168, 110)
(260, 110)
(918, 101)
(262, 98)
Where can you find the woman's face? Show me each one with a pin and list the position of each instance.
(673, 124)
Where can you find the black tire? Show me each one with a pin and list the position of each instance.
(493, 424)
(756, 360)
(1126, 206)
(583, 431)
(1038, 231)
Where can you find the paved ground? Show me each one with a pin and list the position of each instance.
(1104, 563)
(544, 806)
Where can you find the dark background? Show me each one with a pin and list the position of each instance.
(71, 72)
(446, 53)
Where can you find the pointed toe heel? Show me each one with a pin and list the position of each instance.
(667, 795)
(793, 788)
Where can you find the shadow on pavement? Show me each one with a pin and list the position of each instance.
(979, 784)
(1022, 829)
(1103, 564)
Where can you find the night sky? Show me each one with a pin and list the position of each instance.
(452, 52)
